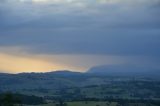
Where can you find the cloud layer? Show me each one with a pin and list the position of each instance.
(83, 27)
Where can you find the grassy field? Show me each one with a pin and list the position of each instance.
(81, 104)
(92, 103)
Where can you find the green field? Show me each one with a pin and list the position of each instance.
(93, 103)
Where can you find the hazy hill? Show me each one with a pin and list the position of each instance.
(125, 70)
(64, 79)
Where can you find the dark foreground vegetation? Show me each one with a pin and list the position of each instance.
(10, 99)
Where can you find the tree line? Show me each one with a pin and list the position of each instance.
(11, 99)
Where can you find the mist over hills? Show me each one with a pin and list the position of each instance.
(64, 79)
(125, 70)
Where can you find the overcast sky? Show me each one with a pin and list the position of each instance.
(46, 35)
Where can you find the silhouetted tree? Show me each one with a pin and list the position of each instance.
(7, 100)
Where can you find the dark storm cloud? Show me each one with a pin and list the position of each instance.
(127, 42)
(118, 28)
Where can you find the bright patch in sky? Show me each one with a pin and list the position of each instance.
(16, 62)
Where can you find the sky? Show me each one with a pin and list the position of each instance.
(49, 35)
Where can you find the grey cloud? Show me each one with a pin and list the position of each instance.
(119, 29)
(117, 42)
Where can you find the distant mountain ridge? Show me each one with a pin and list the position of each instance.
(104, 70)
(63, 79)
(125, 70)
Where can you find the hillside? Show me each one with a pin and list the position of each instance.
(99, 83)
